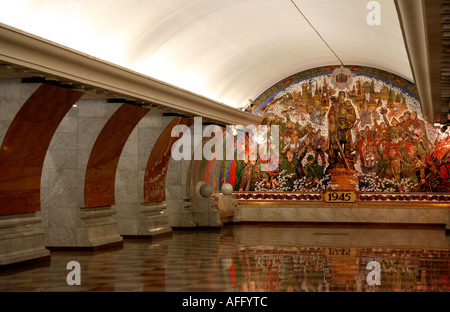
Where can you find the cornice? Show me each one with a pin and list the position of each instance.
(38, 54)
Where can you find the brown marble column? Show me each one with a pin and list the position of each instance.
(158, 163)
(104, 158)
(25, 145)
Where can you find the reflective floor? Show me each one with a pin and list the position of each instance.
(269, 258)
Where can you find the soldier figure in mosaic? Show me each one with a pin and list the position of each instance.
(319, 144)
(252, 175)
(369, 159)
(390, 169)
(288, 169)
(396, 131)
(410, 163)
(341, 119)
(313, 171)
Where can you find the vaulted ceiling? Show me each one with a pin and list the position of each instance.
(229, 51)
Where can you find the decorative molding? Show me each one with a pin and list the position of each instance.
(22, 239)
(364, 197)
(38, 54)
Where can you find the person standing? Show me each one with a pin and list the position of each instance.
(288, 169)
(240, 166)
(252, 175)
(341, 119)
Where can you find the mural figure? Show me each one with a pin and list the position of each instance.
(240, 166)
(252, 175)
(319, 143)
(390, 168)
(289, 169)
(373, 128)
(410, 163)
(313, 171)
(341, 119)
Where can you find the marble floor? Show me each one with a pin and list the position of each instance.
(254, 257)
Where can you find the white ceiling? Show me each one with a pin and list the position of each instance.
(227, 50)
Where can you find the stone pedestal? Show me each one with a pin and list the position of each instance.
(411, 214)
(98, 228)
(21, 239)
(206, 212)
(343, 179)
(153, 219)
(226, 205)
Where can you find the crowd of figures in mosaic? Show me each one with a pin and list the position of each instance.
(372, 127)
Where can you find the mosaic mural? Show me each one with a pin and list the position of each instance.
(361, 123)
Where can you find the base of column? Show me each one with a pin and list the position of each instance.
(99, 229)
(153, 220)
(21, 240)
(206, 212)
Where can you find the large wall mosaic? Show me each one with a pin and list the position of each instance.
(345, 129)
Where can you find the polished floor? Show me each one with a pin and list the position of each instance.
(254, 257)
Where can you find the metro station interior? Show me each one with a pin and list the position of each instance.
(225, 146)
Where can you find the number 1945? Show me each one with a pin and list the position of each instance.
(340, 197)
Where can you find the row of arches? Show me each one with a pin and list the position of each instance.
(37, 130)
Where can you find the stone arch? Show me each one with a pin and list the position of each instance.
(104, 158)
(158, 163)
(25, 145)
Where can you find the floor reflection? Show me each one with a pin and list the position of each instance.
(268, 258)
(398, 259)
(294, 269)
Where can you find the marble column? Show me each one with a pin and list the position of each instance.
(97, 226)
(138, 217)
(21, 233)
(68, 222)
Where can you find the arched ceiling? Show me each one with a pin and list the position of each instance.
(229, 50)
